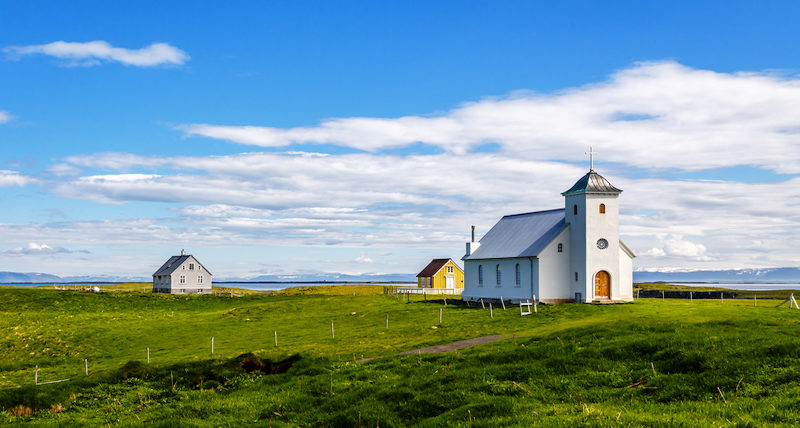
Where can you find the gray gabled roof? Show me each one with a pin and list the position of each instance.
(520, 235)
(173, 263)
(592, 182)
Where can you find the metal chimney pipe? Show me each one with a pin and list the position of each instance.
(473, 233)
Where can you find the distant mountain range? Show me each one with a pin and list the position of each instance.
(734, 275)
(19, 277)
(326, 277)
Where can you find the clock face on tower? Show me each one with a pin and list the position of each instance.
(602, 244)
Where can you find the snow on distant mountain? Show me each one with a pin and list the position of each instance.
(28, 277)
(325, 277)
(733, 275)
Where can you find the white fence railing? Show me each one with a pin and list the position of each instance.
(428, 291)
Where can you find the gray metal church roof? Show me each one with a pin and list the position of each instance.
(592, 182)
(520, 235)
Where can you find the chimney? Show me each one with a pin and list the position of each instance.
(472, 245)
(183, 252)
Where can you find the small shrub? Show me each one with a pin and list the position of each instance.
(20, 410)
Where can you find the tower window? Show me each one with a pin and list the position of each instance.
(480, 275)
(517, 279)
(602, 208)
(575, 209)
(497, 269)
(560, 248)
(576, 276)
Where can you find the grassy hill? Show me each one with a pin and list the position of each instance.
(647, 363)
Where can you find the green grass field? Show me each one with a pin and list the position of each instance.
(649, 363)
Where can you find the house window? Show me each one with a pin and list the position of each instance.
(497, 269)
(575, 209)
(449, 269)
(602, 208)
(183, 279)
(560, 248)
(480, 275)
(576, 276)
(191, 266)
(199, 279)
(517, 279)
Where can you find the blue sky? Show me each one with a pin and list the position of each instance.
(290, 137)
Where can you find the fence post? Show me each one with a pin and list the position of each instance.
(276, 337)
(36, 376)
(535, 310)
(333, 336)
(491, 314)
(722, 297)
(440, 316)
(212, 346)
(482, 305)
(690, 296)
(148, 355)
(662, 295)
(502, 302)
(445, 299)
(637, 293)
(86, 367)
(755, 300)
(387, 320)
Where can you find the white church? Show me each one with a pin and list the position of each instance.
(570, 254)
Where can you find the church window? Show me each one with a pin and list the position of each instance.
(602, 208)
(560, 248)
(497, 269)
(517, 279)
(575, 209)
(576, 276)
(480, 275)
(450, 269)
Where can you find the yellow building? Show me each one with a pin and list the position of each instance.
(441, 273)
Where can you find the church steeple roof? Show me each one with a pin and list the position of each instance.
(592, 182)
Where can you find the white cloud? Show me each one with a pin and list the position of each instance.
(650, 116)
(13, 178)
(655, 252)
(5, 116)
(36, 249)
(653, 115)
(362, 258)
(364, 200)
(98, 51)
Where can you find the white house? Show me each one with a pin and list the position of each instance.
(570, 254)
(182, 275)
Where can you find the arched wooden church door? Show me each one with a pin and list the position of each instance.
(602, 284)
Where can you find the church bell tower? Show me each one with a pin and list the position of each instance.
(592, 211)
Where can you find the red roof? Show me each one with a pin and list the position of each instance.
(433, 267)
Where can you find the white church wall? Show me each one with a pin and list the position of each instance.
(625, 275)
(554, 270)
(577, 272)
(603, 226)
(508, 287)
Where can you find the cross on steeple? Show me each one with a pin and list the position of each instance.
(591, 158)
